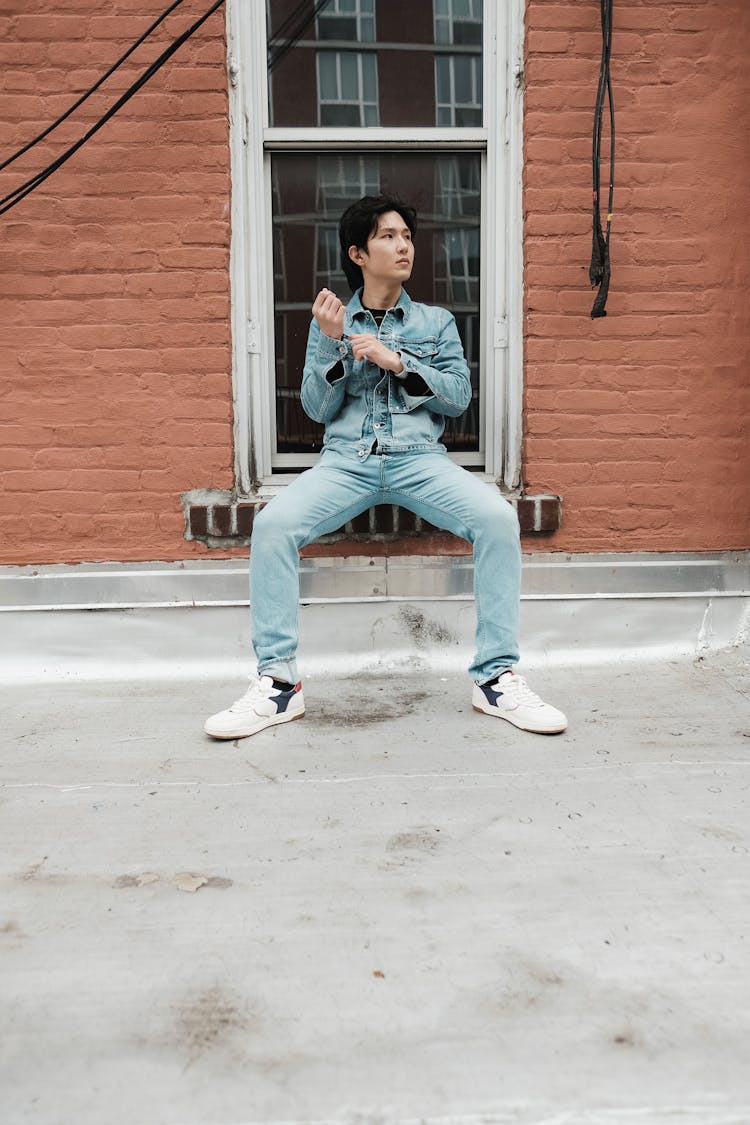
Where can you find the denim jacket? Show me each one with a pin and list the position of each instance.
(366, 407)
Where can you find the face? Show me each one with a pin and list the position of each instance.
(390, 251)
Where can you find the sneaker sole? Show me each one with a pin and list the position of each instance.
(509, 718)
(274, 722)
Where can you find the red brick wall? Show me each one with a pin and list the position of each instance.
(115, 357)
(115, 388)
(640, 420)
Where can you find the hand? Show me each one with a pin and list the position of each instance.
(329, 313)
(367, 346)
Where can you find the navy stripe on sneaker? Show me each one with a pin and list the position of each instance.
(284, 698)
(491, 692)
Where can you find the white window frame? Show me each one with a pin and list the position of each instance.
(257, 470)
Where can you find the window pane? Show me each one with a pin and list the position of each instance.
(340, 115)
(310, 192)
(350, 91)
(462, 71)
(347, 88)
(328, 76)
(400, 80)
(458, 81)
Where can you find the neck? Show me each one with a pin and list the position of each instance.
(380, 295)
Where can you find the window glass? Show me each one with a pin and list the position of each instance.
(421, 64)
(458, 80)
(347, 19)
(310, 191)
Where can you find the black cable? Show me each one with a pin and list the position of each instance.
(287, 24)
(599, 269)
(25, 189)
(296, 32)
(93, 89)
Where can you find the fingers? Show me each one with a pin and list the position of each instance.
(362, 344)
(366, 346)
(327, 304)
(329, 313)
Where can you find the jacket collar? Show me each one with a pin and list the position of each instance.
(356, 309)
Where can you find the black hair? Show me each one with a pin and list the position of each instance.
(359, 221)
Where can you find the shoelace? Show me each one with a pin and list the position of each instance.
(520, 690)
(251, 696)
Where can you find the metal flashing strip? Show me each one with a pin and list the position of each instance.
(546, 577)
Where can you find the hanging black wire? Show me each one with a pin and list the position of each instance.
(25, 189)
(291, 30)
(599, 269)
(94, 88)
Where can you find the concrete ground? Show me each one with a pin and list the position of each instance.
(395, 910)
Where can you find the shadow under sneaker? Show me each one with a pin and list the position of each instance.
(511, 698)
(261, 706)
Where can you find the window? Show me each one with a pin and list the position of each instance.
(347, 19)
(334, 101)
(458, 82)
(347, 88)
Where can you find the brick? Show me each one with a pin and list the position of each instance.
(550, 517)
(361, 523)
(221, 519)
(384, 518)
(245, 517)
(407, 521)
(198, 520)
(525, 510)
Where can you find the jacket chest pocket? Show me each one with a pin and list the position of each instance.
(423, 349)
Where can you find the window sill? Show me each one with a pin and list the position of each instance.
(220, 520)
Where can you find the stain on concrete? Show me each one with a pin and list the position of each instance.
(12, 937)
(363, 710)
(626, 1039)
(208, 1021)
(425, 631)
(33, 871)
(418, 840)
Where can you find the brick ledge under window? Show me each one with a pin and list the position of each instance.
(220, 520)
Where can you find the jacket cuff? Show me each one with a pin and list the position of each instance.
(330, 350)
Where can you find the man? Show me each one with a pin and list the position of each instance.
(383, 374)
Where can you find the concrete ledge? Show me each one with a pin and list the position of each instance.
(215, 582)
(374, 637)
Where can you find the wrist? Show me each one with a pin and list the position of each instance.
(398, 368)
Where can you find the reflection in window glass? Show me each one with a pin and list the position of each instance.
(457, 267)
(348, 19)
(328, 271)
(347, 88)
(365, 63)
(460, 188)
(310, 192)
(458, 81)
(458, 21)
(342, 179)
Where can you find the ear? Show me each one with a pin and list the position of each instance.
(357, 254)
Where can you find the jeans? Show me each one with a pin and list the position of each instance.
(341, 486)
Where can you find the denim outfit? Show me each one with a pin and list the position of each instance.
(382, 446)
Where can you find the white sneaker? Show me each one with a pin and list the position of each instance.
(261, 706)
(511, 698)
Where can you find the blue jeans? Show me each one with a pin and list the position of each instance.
(340, 487)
